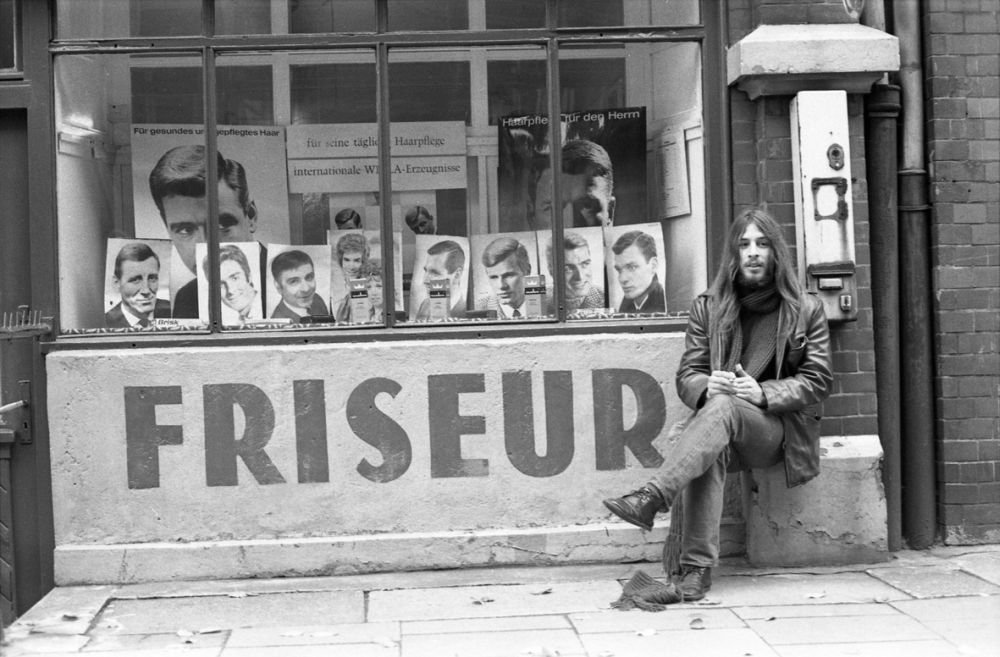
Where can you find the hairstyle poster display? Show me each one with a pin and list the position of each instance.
(583, 267)
(358, 254)
(253, 191)
(500, 263)
(603, 162)
(298, 281)
(240, 280)
(441, 262)
(136, 283)
(636, 268)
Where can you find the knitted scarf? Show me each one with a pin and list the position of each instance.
(755, 336)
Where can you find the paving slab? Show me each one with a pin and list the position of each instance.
(482, 601)
(985, 565)
(969, 607)
(673, 618)
(934, 581)
(128, 643)
(42, 644)
(936, 648)
(314, 635)
(815, 610)
(840, 629)
(800, 589)
(703, 643)
(526, 643)
(152, 616)
(342, 650)
(484, 625)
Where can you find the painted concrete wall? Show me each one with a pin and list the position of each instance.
(289, 442)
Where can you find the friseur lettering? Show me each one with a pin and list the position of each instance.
(447, 431)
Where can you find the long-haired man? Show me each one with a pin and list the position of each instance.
(756, 361)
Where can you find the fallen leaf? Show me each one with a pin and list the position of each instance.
(816, 596)
(697, 624)
(542, 592)
(209, 630)
(481, 601)
(771, 618)
(705, 602)
(70, 617)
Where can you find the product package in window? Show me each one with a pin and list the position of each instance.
(298, 283)
(636, 268)
(501, 262)
(603, 169)
(168, 193)
(583, 269)
(240, 281)
(137, 284)
(355, 255)
(438, 288)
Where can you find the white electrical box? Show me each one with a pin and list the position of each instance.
(824, 212)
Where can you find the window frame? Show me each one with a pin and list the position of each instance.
(709, 34)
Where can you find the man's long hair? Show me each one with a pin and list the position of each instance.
(725, 303)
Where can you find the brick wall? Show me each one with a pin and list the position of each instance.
(762, 175)
(962, 71)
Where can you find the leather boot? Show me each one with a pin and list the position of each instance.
(695, 581)
(638, 507)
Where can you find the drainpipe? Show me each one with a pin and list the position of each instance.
(916, 316)
(882, 109)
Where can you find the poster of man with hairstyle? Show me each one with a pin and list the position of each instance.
(603, 169)
(636, 268)
(136, 285)
(501, 262)
(300, 279)
(169, 176)
(239, 281)
(440, 258)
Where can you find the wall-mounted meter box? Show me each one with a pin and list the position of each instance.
(824, 212)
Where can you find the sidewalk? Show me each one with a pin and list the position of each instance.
(940, 603)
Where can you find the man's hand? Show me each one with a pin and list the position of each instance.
(746, 387)
(721, 383)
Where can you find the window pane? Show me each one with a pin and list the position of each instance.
(590, 13)
(426, 91)
(306, 16)
(428, 15)
(119, 268)
(335, 216)
(166, 17)
(172, 94)
(632, 161)
(514, 14)
(8, 35)
(242, 16)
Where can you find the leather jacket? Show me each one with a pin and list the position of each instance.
(801, 383)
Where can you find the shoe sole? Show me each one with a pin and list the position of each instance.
(612, 507)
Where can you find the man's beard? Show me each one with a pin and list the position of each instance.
(766, 281)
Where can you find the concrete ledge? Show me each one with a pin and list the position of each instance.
(347, 555)
(786, 59)
(837, 518)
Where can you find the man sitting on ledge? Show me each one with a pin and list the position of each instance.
(756, 361)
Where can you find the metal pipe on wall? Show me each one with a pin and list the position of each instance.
(882, 110)
(916, 310)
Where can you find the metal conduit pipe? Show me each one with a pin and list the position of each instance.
(882, 111)
(916, 310)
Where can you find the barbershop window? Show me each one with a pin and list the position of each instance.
(458, 219)
(9, 37)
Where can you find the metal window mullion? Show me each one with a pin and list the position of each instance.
(555, 162)
(211, 190)
(383, 119)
